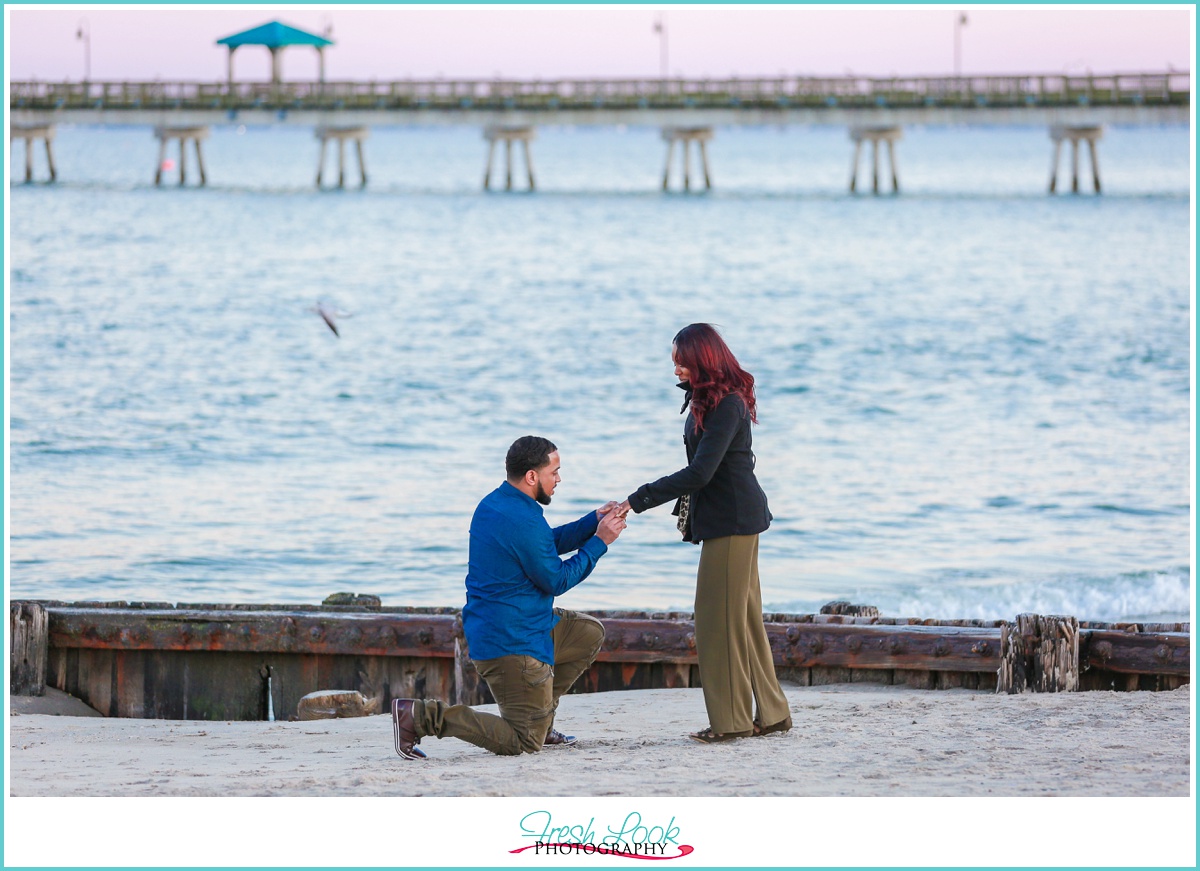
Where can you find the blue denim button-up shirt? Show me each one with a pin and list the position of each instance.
(514, 571)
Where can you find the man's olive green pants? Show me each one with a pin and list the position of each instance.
(737, 670)
(526, 690)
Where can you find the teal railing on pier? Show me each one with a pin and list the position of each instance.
(845, 92)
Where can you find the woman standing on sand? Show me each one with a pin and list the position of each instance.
(722, 507)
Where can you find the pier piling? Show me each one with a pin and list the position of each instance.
(685, 136)
(1074, 135)
(196, 135)
(31, 133)
(1071, 106)
(508, 135)
(875, 135)
(342, 135)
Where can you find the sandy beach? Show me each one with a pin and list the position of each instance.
(848, 740)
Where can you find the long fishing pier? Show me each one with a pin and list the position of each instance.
(245, 662)
(1074, 108)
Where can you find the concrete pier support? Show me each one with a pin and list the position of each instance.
(196, 135)
(875, 135)
(342, 135)
(30, 134)
(1090, 135)
(685, 136)
(508, 135)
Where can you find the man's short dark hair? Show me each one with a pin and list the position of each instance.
(526, 453)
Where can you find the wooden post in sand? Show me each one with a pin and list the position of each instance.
(27, 627)
(1011, 676)
(469, 687)
(1056, 657)
(1039, 653)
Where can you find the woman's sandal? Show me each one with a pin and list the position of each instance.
(781, 726)
(708, 736)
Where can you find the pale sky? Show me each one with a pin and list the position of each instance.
(396, 42)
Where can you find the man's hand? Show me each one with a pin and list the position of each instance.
(610, 527)
(604, 509)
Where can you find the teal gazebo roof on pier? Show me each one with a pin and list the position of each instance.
(275, 36)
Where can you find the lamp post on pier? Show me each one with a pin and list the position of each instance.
(660, 27)
(83, 33)
(959, 23)
(327, 33)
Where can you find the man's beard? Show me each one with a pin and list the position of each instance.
(542, 496)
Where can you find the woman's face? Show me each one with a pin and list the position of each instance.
(680, 372)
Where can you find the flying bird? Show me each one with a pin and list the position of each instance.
(329, 314)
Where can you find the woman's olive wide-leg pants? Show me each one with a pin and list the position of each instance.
(737, 670)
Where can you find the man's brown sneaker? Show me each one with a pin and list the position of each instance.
(404, 725)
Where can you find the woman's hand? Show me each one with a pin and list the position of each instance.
(623, 509)
(605, 509)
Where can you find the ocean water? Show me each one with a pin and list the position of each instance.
(974, 397)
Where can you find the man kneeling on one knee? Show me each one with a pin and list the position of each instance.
(528, 651)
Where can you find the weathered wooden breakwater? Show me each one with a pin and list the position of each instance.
(244, 662)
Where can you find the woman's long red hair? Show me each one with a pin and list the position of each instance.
(715, 372)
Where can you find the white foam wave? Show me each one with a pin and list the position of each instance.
(1159, 596)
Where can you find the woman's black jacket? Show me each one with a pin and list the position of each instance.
(726, 498)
